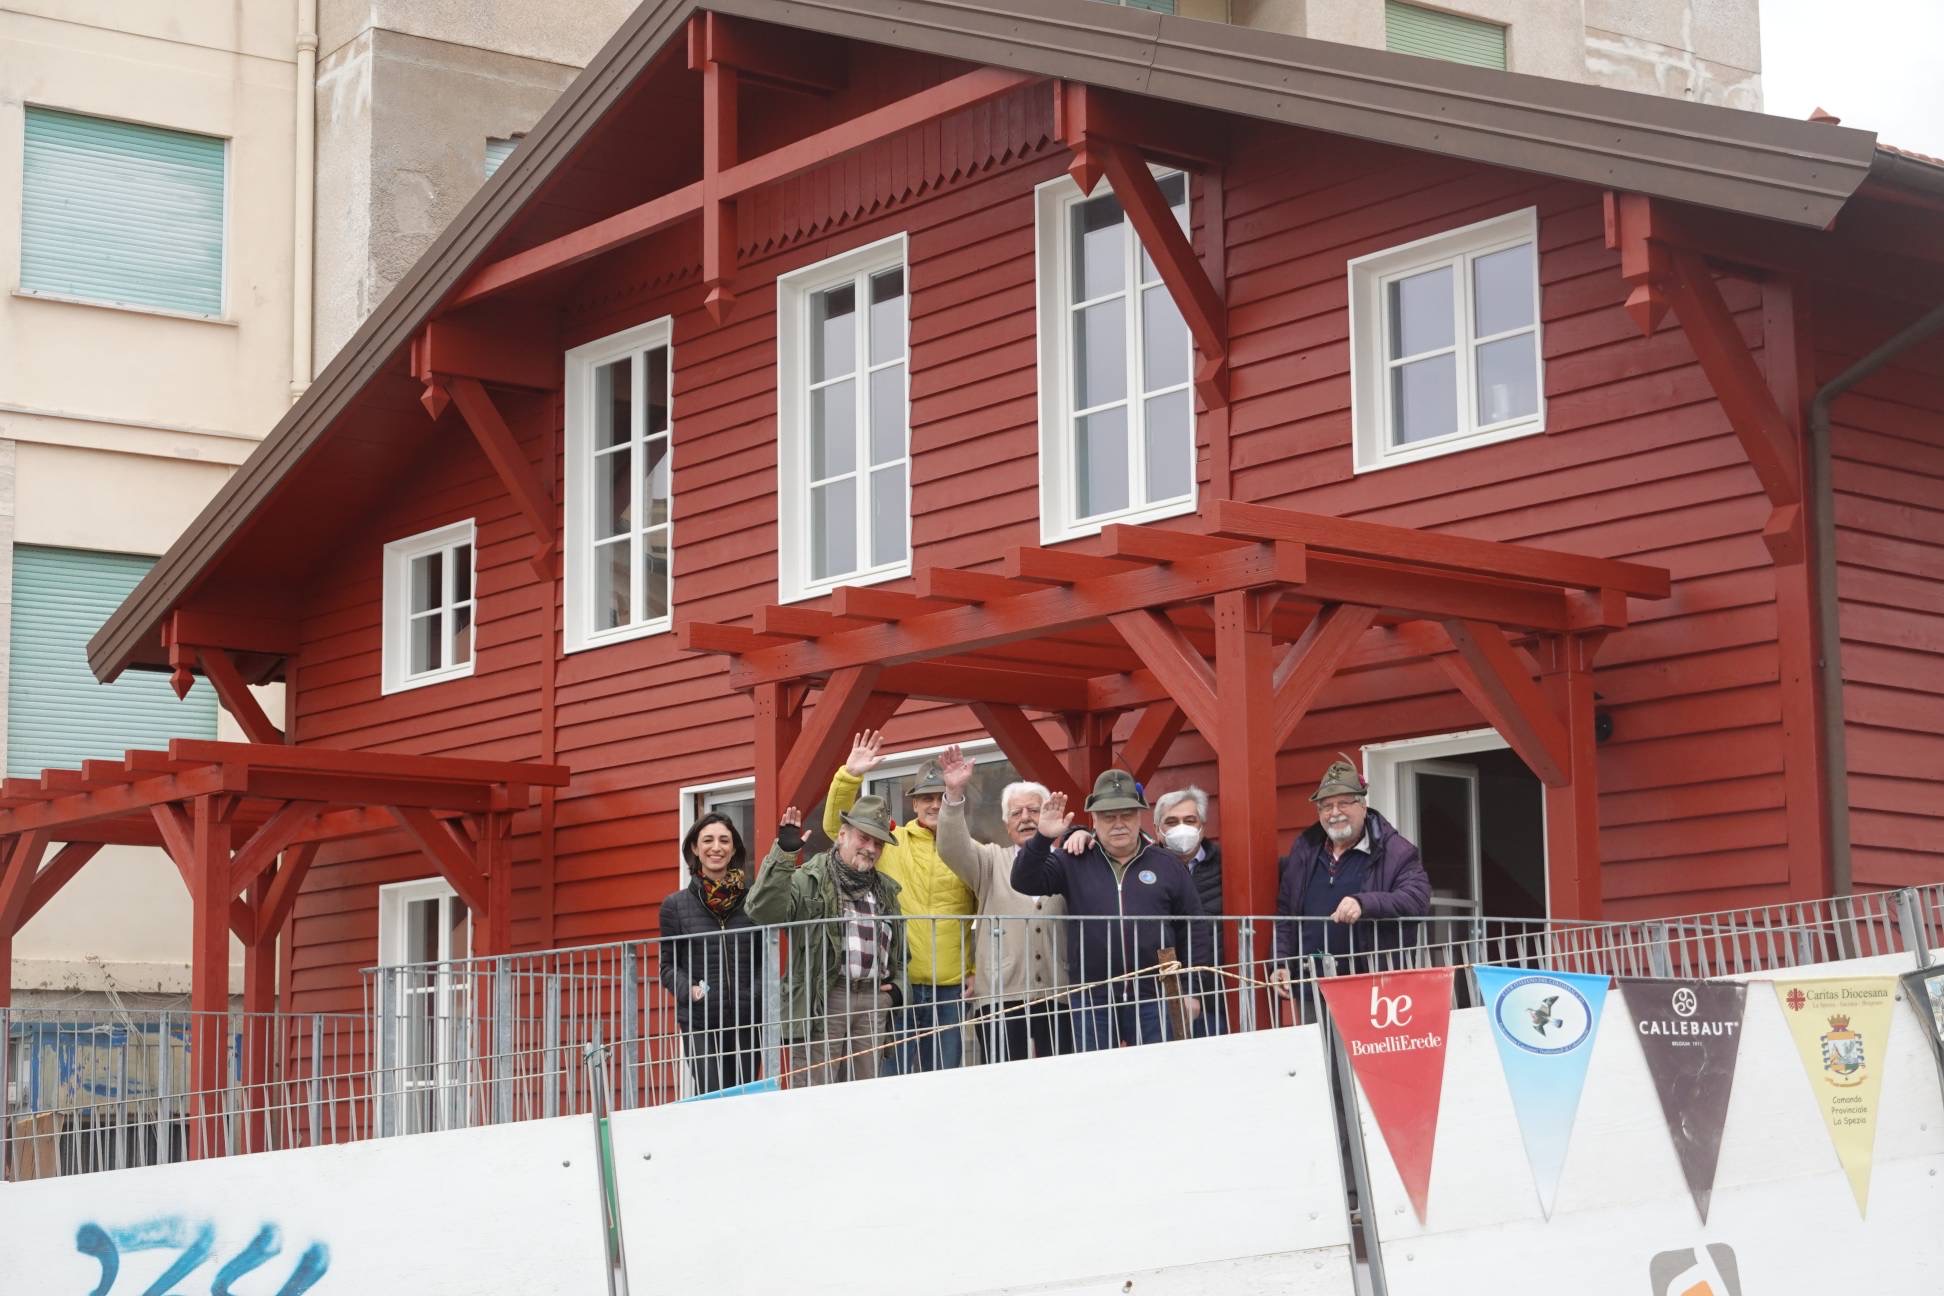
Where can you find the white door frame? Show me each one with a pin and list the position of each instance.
(1381, 761)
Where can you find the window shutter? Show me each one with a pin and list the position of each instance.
(57, 715)
(1157, 6)
(497, 151)
(124, 214)
(1430, 34)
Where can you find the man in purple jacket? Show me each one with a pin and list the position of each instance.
(1352, 881)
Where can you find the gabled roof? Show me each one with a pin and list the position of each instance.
(1796, 172)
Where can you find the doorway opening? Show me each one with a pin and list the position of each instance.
(1477, 815)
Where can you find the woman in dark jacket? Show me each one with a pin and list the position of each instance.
(711, 958)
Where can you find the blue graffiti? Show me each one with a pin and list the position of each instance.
(193, 1242)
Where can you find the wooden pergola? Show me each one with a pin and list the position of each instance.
(242, 822)
(1234, 631)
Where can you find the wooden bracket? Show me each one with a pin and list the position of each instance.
(1029, 753)
(1489, 671)
(57, 873)
(1313, 660)
(269, 840)
(516, 471)
(219, 668)
(1154, 733)
(23, 862)
(1177, 663)
(825, 735)
(451, 855)
(275, 907)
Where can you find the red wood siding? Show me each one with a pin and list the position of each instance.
(1887, 451)
(1638, 462)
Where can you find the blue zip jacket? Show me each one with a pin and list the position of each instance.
(1125, 917)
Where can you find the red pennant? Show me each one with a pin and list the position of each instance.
(1393, 1026)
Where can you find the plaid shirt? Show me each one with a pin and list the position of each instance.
(867, 942)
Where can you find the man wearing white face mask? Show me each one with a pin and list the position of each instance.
(1181, 817)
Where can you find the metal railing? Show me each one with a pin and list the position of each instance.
(639, 1023)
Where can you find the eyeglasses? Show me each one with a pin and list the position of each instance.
(1344, 804)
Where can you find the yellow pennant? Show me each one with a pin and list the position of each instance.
(1842, 1030)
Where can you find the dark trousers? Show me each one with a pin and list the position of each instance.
(722, 1057)
(1111, 1016)
(1007, 1030)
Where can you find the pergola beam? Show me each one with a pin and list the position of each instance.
(1313, 660)
(516, 472)
(1178, 664)
(826, 733)
(263, 846)
(451, 854)
(1489, 672)
(1154, 733)
(1029, 753)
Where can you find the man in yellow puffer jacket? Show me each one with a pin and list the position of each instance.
(938, 958)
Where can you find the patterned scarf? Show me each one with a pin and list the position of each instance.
(723, 897)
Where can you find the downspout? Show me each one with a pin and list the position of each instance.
(1829, 633)
(303, 191)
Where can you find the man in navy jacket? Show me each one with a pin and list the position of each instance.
(1352, 882)
(1132, 898)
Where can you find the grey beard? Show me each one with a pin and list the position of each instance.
(1339, 835)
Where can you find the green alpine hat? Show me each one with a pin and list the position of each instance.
(930, 779)
(872, 817)
(1116, 790)
(1341, 779)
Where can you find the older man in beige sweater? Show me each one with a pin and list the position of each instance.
(1016, 1012)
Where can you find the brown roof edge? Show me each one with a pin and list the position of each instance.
(1799, 172)
(1909, 171)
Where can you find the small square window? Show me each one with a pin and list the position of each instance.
(1445, 343)
(428, 632)
(843, 423)
(1117, 413)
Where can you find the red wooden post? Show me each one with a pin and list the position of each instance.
(718, 211)
(208, 967)
(776, 733)
(1245, 751)
(1090, 748)
(259, 1007)
(1573, 807)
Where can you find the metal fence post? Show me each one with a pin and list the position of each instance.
(387, 1051)
(6, 1093)
(1912, 923)
(773, 1066)
(550, 1045)
(630, 1011)
(502, 1041)
(313, 1103)
(1245, 961)
(164, 1126)
(1658, 961)
(1359, 1202)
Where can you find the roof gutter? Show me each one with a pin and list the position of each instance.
(1828, 628)
(1902, 171)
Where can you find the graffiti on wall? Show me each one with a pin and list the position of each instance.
(193, 1243)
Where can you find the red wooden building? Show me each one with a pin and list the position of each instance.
(1128, 389)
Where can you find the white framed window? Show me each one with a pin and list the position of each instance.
(1445, 343)
(1117, 412)
(429, 598)
(843, 449)
(423, 928)
(620, 433)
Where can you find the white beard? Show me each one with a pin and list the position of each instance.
(1340, 835)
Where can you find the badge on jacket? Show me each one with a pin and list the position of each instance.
(1147, 876)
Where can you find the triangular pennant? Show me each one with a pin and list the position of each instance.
(1544, 1023)
(1690, 1034)
(1394, 1029)
(1841, 1028)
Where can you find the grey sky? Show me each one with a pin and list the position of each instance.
(1871, 62)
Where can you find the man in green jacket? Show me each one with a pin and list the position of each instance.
(846, 956)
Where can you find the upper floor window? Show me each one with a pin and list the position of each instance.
(1432, 33)
(122, 215)
(1117, 416)
(1445, 345)
(428, 634)
(619, 429)
(843, 422)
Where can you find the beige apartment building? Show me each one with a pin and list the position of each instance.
(201, 200)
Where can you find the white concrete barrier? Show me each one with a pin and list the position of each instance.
(1203, 1167)
(1783, 1218)
(511, 1209)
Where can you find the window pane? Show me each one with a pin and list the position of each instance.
(833, 429)
(1164, 341)
(613, 392)
(460, 565)
(1100, 463)
(887, 316)
(833, 529)
(888, 414)
(656, 415)
(654, 481)
(1170, 455)
(1099, 354)
(613, 594)
(1099, 266)
(1508, 380)
(1424, 399)
(424, 652)
(833, 333)
(421, 931)
(427, 588)
(1174, 188)
(654, 552)
(888, 507)
(1420, 313)
(613, 505)
(461, 635)
(1502, 290)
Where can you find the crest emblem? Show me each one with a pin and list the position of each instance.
(1796, 1000)
(1684, 1002)
(1147, 876)
(1842, 1053)
(1543, 1014)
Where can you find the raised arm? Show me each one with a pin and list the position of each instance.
(1037, 870)
(961, 854)
(774, 897)
(866, 754)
